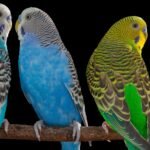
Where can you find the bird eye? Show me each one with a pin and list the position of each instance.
(28, 17)
(135, 26)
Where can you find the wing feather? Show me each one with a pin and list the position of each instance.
(75, 90)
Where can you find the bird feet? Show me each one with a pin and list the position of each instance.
(37, 128)
(106, 128)
(76, 131)
(6, 125)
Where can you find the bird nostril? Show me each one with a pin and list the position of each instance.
(145, 30)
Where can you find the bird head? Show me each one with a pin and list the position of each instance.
(130, 30)
(5, 22)
(35, 22)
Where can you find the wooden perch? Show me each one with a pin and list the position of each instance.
(26, 132)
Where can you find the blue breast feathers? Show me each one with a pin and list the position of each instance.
(43, 74)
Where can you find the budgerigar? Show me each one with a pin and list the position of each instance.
(48, 75)
(5, 69)
(119, 82)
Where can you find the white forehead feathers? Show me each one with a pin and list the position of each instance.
(30, 10)
(5, 9)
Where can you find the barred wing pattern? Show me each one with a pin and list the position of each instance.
(5, 74)
(75, 89)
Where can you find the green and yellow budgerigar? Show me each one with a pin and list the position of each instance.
(119, 82)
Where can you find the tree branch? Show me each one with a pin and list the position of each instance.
(26, 132)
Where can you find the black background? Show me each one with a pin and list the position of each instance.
(81, 27)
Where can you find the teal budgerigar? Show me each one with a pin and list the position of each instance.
(48, 75)
(5, 69)
(119, 82)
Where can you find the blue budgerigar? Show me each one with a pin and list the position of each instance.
(48, 76)
(5, 69)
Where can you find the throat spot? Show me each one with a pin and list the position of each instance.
(137, 39)
(22, 31)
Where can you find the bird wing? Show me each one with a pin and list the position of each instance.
(142, 83)
(107, 89)
(75, 90)
(108, 92)
(5, 73)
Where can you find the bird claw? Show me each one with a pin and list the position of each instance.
(90, 143)
(76, 131)
(37, 128)
(6, 125)
(106, 127)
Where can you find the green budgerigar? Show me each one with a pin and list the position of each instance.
(119, 82)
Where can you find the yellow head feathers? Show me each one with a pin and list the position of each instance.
(130, 30)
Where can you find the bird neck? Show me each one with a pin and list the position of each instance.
(136, 47)
(118, 56)
(34, 40)
(116, 45)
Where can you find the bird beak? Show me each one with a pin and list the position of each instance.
(16, 25)
(143, 37)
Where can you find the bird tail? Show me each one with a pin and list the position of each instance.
(70, 145)
(130, 146)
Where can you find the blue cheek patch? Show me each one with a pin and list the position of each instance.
(22, 31)
(137, 39)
